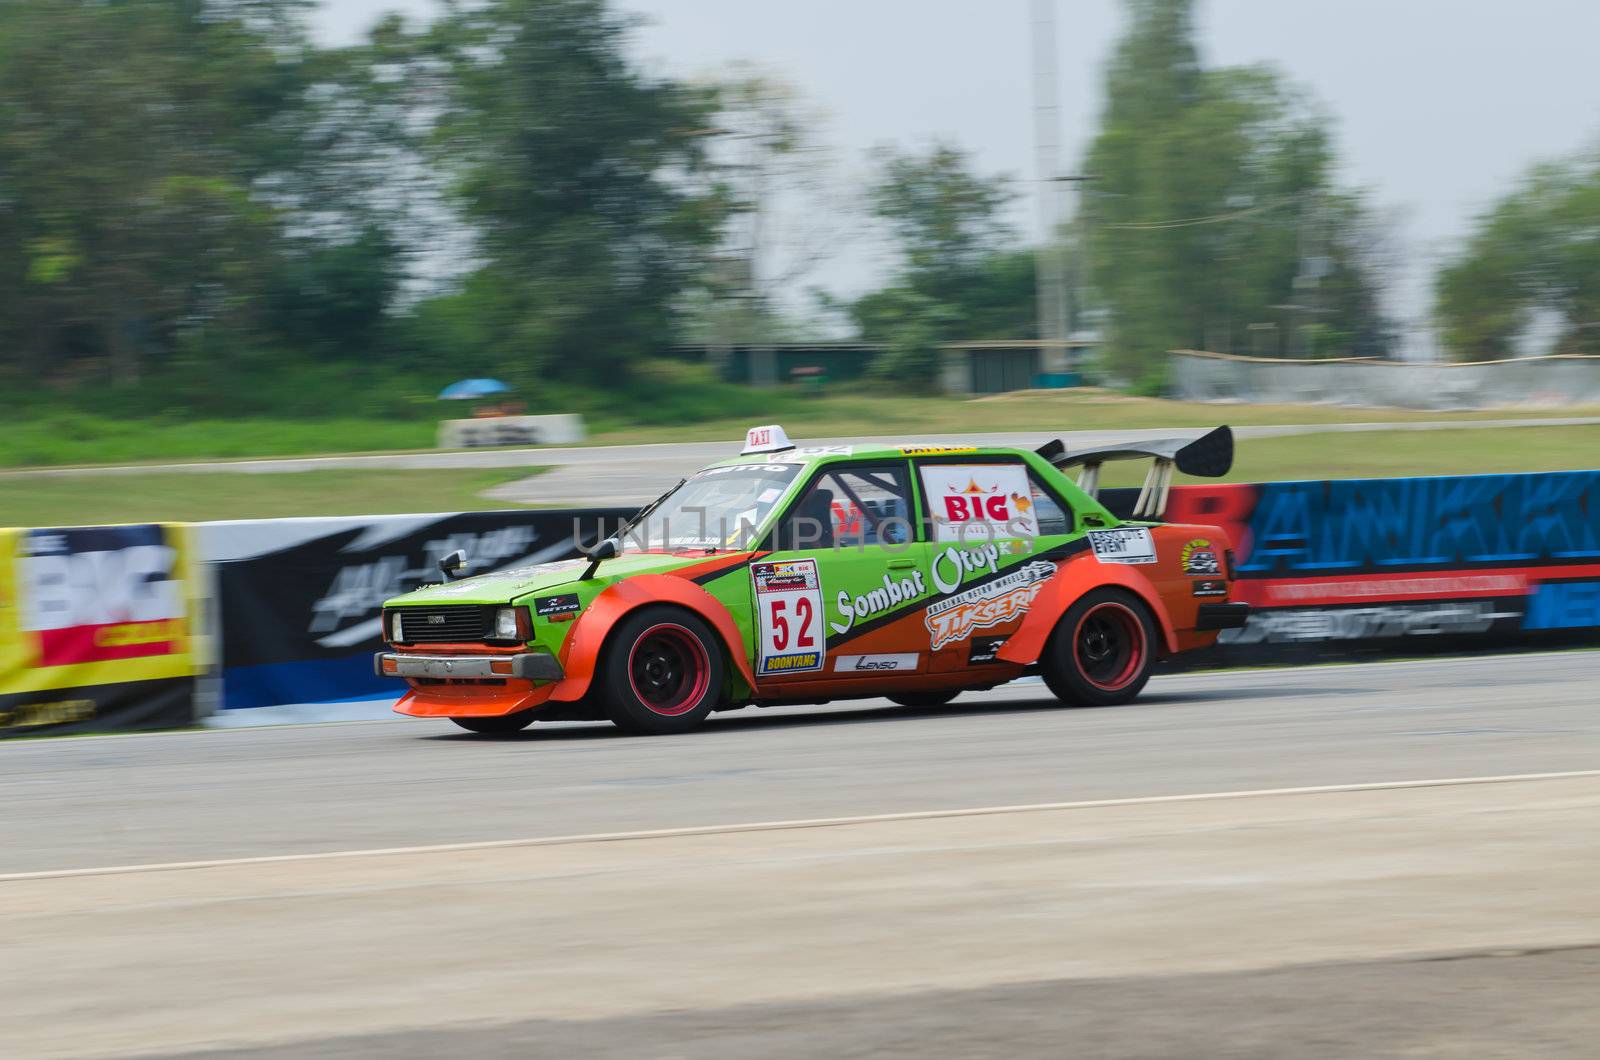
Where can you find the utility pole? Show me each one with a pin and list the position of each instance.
(1051, 288)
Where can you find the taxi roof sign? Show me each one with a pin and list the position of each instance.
(768, 439)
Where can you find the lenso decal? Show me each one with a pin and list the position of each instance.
(993, 603)
(982, 501)
(1199, 558)
(1128, 544)
(875, 663)
(566, 604)
(789, 615)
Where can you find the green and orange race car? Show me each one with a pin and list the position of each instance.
(804, 575)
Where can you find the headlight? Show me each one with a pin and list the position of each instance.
(396, 634)
(508, 624)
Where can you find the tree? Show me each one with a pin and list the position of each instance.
(784, 212)
(1212, 206)
(961, 275)
(132, 138)
(1533, 255)
(583, 177)
(945, 219)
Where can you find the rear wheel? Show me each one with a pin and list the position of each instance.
(923, 699)
(502, 724)
(1101, 651)
(663, 672)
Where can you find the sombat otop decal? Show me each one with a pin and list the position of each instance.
(951, 568)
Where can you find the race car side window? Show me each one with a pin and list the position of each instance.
(1054, 517)
(850, 507)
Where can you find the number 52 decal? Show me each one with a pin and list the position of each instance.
(788, 610)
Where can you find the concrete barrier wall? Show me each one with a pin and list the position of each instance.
(1536, 381)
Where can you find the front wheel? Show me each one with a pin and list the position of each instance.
(663, 672)
(1101, 651)
(499, 725)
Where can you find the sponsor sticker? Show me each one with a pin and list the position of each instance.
(1128, 544)
(874, 663)
(789, 615)
(1208, 587)
(979, 502)
(993, 603)
(565, 604)
(985, 650)
(1199, 558)
(936, 450)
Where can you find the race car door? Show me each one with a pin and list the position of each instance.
(839, 597)
(995, 533)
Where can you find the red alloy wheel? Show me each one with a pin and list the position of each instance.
(669, 670)
(1109, 646)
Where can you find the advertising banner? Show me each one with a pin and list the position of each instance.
(300, 599)
(99, 629)
(1409, 564)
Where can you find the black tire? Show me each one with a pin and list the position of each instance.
(922, 699)
(663, 672)
(497, 726)
(1101, 651)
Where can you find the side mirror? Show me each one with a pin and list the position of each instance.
(605, 550)
(452, 565)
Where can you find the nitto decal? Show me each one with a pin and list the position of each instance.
(1128, 544)
(789, 612)
(991, 604)
(1199, 558)
(874, 663)
(566, 604)
(985, 650)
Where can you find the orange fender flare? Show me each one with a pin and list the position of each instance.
(1066, 587)
(580, 655)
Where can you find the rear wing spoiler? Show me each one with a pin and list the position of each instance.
(1209, 456)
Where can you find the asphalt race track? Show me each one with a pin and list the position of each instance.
(1376, 860)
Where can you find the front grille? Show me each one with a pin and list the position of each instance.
(456, 624)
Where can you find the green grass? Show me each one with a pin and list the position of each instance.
(866, 414)
(1393, 454)
(30, 500)
(43, 500)
(666, 402)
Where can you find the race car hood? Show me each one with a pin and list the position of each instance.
(506, 586)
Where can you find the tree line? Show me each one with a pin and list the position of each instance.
(196, 195)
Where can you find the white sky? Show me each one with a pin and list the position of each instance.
(1439, 103)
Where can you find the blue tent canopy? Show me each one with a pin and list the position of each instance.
(467, 389)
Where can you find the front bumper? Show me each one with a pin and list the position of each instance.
(524, 666)
(1221, 616)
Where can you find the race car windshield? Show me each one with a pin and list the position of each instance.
(721, 507)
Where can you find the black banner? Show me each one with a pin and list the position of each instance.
(300, 599)
(132, 707)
